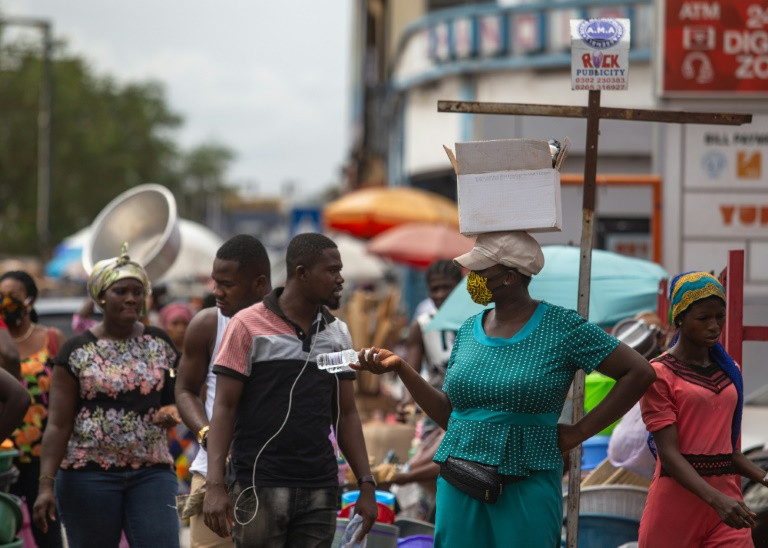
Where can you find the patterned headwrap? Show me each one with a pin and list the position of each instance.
(174, 311)
(684, 290)
(108, 271)
(690, 287)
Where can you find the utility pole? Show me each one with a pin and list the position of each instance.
(44, 154)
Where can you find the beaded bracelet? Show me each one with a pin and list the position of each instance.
(46, 476)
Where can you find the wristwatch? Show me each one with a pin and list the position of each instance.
(202, 437)
(367, 479)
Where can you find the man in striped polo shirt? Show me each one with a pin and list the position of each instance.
(276, 409)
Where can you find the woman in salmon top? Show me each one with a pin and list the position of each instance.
(693, 412)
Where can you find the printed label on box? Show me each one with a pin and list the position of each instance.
(509, 200)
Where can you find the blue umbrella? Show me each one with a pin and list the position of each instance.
(621, 286)
(67, 256)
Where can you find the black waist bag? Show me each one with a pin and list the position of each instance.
(479, 481)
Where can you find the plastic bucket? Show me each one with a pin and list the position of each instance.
(8, 478)
(384, 497)
(596, 387)
(410, 527)
(6, 459)
(386, 514)
(10, 517)
(603, 531)
(594, 451)
(416, 541)
(381, 535)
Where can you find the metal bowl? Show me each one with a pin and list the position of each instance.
(637, 334)
(145, 217)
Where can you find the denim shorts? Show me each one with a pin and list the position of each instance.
(96, 506)
(287, 516)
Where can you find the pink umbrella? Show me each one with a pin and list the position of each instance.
(419, 244)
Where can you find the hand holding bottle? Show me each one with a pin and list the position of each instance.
(378, 361)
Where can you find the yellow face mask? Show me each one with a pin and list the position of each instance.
(477, 287)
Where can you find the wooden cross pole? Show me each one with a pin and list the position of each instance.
(593, 112)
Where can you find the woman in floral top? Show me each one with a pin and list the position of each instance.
(36, 344)
(105, 453)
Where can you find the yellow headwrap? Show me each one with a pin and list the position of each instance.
(689, 287)
(108, 271)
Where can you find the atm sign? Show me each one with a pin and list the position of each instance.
(715, 47)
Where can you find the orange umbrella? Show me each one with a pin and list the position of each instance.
(369, 211)
(419, 244)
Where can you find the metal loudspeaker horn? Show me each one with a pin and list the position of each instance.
(145, 217)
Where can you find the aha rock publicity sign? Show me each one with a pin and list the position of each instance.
(715, 47)
(600, 54)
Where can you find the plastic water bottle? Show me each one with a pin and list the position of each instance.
(337, 362)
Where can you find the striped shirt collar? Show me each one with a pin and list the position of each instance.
(271, 302)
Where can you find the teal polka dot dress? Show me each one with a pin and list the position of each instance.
(529, 373)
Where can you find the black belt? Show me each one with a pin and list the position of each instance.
(709, 465)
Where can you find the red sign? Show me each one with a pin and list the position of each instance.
(715, 47)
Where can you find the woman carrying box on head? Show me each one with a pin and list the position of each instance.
(505, 386)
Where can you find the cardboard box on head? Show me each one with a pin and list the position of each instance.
(508, 184)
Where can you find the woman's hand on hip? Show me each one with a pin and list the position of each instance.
(44, 508)
(734, 513)
(568, 437)
(378, 361)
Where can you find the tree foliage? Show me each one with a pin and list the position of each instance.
(202, 173)
(107, 137)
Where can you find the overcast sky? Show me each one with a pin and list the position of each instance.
(267, 79)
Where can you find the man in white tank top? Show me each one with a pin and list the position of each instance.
(433, 347)
(241, 276)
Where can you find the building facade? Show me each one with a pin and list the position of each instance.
(682, 195)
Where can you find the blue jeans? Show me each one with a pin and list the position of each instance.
(95, 506)
(287, 516)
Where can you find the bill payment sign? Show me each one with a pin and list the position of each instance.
(599, 53)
